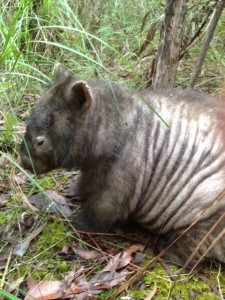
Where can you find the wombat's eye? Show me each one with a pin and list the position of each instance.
(40, 140)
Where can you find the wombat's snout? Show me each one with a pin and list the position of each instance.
(36, 153)
(24, 162)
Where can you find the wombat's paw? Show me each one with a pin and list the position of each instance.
(175, 259)
(86, 220)
(177, 254)
(71, 190)
(81, 224)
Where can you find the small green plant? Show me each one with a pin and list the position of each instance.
(7, 295)
(9, 123)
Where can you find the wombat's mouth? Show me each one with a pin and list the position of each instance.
(39, 167)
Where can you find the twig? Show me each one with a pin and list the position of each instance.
(6, 269)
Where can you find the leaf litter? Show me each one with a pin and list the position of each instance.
(113, 274)
(21, 247)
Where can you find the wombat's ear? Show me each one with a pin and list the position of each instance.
(81, 95)
(60, 73)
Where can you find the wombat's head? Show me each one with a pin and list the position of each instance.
(53, 124)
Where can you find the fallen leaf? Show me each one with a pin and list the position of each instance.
(106, 280)
(109, 276)
(65, 249)
(76, 284)
(51, 202)
(72, 276)
(44, 290)
(31, 282)
(26, 201)
(20, 178)
(138, 257)
(123, 258)
(21, 248)
(135, 248)
(87, 254)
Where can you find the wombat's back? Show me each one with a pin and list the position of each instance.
(180, 168)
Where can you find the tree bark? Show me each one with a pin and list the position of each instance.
(205, 46)
(166, 63)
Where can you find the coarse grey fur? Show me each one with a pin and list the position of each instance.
(132, 165)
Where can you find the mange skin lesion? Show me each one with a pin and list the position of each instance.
(132, 165)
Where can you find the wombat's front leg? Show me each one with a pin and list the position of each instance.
(103, 200)
(99, 213)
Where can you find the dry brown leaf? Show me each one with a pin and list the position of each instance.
(122, 259)
(76, 283)
(44, 290)
(26, 201)
(21, 248)
(65, 249)
(73, 276)
(51, 202)
(110, 276)
(87, 254)
(20, 178)
(78, 287)
(135, 248)
(106, 280)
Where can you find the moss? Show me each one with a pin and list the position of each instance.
(63, 266)
(181, 288)
(141, 294)
(46, 181)
(106, 294)
(216, 275)
(6, 217)
(54, 234)
(42, 260)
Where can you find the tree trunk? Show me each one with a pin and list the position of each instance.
(165, 68)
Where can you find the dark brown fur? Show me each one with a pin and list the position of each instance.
(132, 165)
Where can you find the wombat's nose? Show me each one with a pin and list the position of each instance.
(23, 161)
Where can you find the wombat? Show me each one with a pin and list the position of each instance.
(153, 157)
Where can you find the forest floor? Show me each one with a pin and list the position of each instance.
(44, 257)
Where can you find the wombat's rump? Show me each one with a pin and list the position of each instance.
(132, 165)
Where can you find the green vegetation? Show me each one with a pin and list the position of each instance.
(7, 295)
(34, 35)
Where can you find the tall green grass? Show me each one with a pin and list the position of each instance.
(37, 34)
